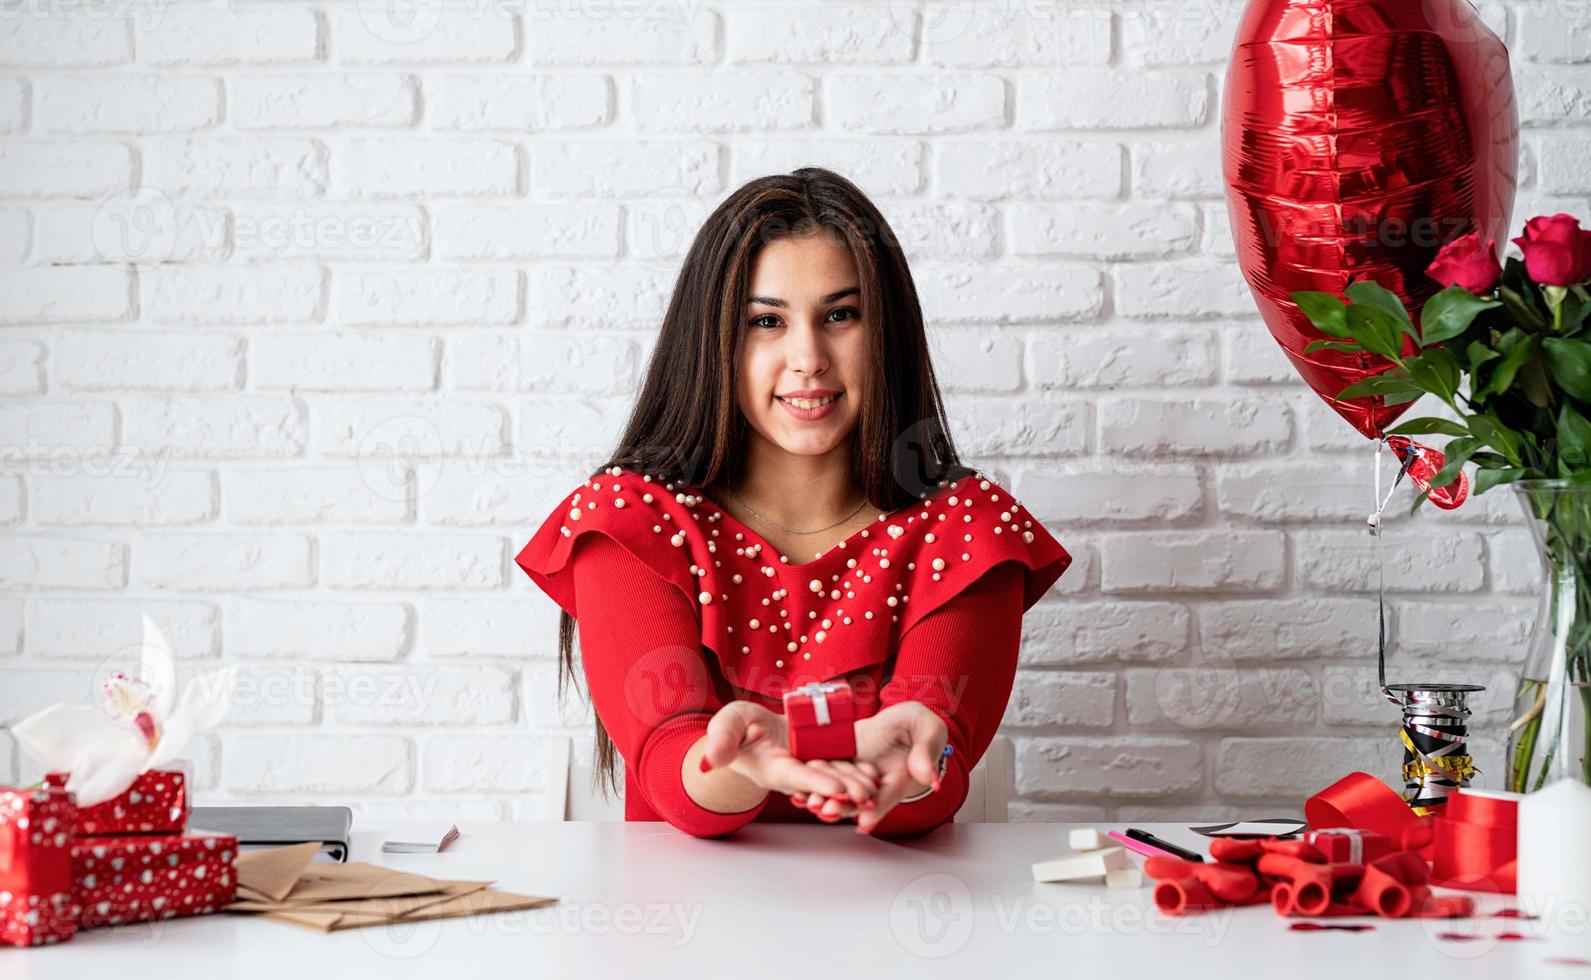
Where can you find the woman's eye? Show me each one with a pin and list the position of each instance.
(770, 321)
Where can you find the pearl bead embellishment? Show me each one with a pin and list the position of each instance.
(829, 578)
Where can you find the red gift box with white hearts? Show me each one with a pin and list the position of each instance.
(135, 878)
(37, 906)
(155, 803)
(820, 719)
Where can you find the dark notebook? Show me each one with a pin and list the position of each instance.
(272, 826)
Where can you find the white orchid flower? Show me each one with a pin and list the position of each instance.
(139, 726)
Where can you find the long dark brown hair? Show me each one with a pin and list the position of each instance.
(687, 428)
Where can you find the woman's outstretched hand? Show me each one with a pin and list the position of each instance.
(752, 742)
(899, 747)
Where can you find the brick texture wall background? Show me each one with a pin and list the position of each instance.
(310, 311)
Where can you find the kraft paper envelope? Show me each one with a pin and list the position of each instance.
(282, 884)
(401, 905)
(273, 872)
(288, 874)
(472, 903)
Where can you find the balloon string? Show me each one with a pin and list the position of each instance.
(1381, 573)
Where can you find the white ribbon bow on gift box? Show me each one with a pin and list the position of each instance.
(139, 726)
(819, 693)
(1356, 841)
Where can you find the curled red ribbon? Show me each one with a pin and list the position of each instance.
(1363, 801)
(1427, 463)
(1472, 844)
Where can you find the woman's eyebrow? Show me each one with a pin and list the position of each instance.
(775, 301)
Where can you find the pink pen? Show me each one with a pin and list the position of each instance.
(1148, 850)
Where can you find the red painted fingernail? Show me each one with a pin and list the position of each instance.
(826, 818)
(841, 797)
(706, 766)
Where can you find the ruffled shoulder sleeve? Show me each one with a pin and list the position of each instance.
(641, 515)
(963, 530)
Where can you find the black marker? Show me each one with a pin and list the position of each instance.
(1170, 848)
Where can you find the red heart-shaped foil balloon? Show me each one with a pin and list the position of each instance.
(1359, 136)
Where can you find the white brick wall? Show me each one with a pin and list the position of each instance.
(307, 316)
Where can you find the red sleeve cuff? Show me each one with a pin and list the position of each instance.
(661, 760)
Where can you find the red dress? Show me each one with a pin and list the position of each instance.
(683, 609)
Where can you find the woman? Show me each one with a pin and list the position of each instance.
(786, 506)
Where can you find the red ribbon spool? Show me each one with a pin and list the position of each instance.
(1472, 845)
(1477, 842)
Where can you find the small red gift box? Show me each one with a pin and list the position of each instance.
(821, 721)
(1345, 845)
(36, 901)
(128, 878)
(155, 803)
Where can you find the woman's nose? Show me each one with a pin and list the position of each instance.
(805, 349)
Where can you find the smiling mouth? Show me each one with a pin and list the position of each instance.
(807, 403)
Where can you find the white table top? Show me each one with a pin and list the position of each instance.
(785, 900)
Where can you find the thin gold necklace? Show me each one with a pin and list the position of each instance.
(791, 530)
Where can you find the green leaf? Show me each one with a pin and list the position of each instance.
(1516, 346)
(1569, 361)
(1492, 432)
(1436, 371)
(1367, 292)
(1458, 452)
(1426, 426)
(1342, 345)
(1521, 309)
(1574, 439)
(1486, 479)
(1479, 354)
(1575, 307)
(1377, 331)
(1450, 312)
(1533, 384)
(1380, 385)
(1328, 313)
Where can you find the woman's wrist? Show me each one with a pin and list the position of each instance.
(921, 792)
(721, 790)
(913, 795)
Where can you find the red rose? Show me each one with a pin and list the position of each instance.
(1557, 252)
(1465, 262)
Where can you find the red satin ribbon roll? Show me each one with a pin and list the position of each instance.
(1472, 845)
(1477, 841)
(1363, 801)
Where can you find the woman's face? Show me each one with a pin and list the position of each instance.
(805, 345)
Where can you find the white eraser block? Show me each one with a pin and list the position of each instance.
(1087, 839)
(1125, 878)
(1086, 864)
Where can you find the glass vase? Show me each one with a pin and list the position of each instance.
(1549, 738)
